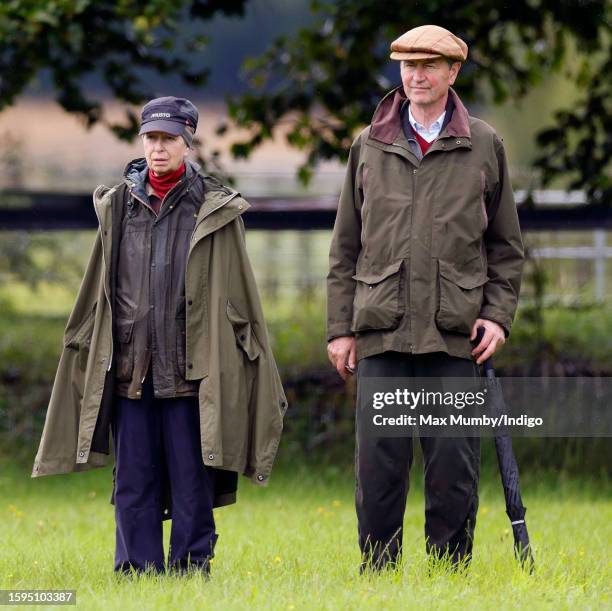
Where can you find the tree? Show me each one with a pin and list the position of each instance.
(123, 41)
(325, 81)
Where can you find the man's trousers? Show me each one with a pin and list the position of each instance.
(382, 465)
(151, 435)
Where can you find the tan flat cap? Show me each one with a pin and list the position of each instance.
(429, 41)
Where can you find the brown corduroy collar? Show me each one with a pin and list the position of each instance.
(387, 123)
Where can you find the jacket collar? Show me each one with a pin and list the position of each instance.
(220, 204)
(136, 172)
(387, 120)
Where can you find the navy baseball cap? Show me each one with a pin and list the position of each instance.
(170, 115)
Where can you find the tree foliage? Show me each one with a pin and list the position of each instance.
(325, 81)
(123, 41)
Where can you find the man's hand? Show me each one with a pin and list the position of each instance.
(492, 339)
(341, 353)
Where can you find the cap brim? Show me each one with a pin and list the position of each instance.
(168, 127)
(399, 55)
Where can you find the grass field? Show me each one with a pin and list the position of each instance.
(292, 545)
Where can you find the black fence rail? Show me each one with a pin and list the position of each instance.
(39, 210)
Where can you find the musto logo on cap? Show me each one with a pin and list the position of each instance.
(160, 115)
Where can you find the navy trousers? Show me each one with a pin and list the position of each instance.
(151, 435)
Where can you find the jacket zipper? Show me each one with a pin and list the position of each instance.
(225, 201)
(110, 307)
(414, 175)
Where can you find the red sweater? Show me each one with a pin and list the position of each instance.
(423, 143)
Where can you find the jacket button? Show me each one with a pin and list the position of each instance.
(414, 171)
(458, 141)
(211, 457)
(189, 302)
(242, 338)
(81, 453)
(165, 512)
(189, 365)
(260, 478)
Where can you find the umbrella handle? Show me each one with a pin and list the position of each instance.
(488, 364)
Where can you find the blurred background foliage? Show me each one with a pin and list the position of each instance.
(323, 80)
(329, 77)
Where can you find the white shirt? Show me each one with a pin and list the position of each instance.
(427, 134)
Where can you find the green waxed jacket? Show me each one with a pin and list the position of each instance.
(242, 402)
(423, 244)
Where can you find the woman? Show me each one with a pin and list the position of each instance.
(166, 347)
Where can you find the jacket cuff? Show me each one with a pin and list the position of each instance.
(503, 320)
(338, 329)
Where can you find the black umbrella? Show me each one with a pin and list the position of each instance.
(508, 468)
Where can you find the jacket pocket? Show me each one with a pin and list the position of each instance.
(378, 302)
(81, 339)
(245, 338)
(125, 352)
(460, 298)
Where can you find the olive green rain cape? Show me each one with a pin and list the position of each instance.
(241, 399)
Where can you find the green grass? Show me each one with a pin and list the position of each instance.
(292, 545)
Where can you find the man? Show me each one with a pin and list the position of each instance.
(426, 248)
(167, 347)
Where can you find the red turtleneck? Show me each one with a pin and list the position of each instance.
(162, 184)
